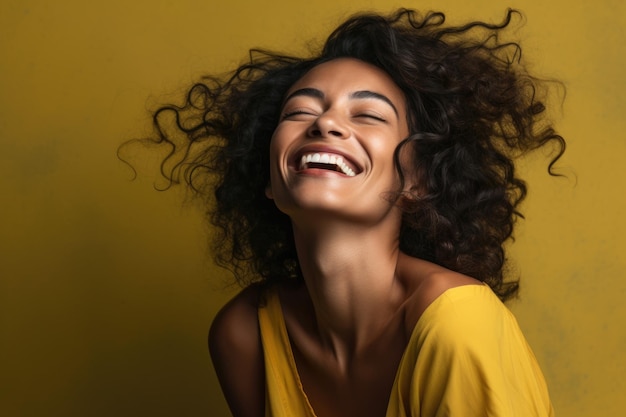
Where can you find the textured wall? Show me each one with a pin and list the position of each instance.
(106, 293)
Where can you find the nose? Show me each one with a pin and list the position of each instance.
(328, 124)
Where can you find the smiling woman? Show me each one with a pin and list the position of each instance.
(343, 110)
(363, 197)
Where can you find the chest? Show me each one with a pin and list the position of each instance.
(360, 388)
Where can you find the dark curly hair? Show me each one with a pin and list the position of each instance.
(473, 108)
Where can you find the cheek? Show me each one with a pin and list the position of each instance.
(276, 153)
(383, 152)
(278, 144)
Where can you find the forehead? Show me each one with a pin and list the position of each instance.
(350, 75)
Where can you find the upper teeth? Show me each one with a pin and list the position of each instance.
(329, 159)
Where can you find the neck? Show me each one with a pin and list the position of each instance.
(350, 274)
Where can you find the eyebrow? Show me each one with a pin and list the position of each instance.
(366, 94)
(308, 92)
(363, 94)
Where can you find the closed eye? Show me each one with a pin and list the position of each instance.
(295, 113)
(372, 116)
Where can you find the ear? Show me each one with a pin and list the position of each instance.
(268, 191)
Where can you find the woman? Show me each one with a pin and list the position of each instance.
(363, 197)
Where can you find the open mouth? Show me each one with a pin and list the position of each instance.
(326, 161)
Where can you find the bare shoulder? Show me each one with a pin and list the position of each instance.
(237, 355)
(236, 324)
(425, 282)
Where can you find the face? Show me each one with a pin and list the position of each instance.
(332, 151)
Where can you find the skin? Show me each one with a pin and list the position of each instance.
(350, 323)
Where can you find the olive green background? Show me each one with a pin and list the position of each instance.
(106, 289)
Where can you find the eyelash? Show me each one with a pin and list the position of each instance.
(295, 113)
(371, 116)
(299, 112)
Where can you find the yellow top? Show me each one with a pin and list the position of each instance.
(467, 357)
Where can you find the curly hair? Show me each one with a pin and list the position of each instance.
(473, 109)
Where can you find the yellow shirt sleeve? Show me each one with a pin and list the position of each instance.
(467, 357)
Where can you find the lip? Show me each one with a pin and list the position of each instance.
(294, 161)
